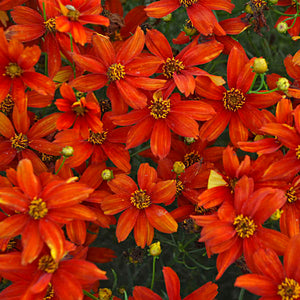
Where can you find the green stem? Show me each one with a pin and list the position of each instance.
(90, 295)
(46, 62)
(242, 292)
(253, 82)
(153, 272)
(261, 93)
(73, 66)
(137, 152)
(115, 279)
(262, 81)
(125, 296)
(281, 13)
(61, 165)
(44, 12)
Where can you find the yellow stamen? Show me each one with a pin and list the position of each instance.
(244, 226)
(171, 66)
(50, 25)
(37, 208)
(97, 138)
(187, 3)
(140, 199)
(291, 195)
(50, 292)
(47, 264)
(233, 99)
(7, 105)
(191, 158)
(289, 289)
(13, 70)
(78, 108)
(116, 72)
(298, 152)
(159, 107)
(19, 141)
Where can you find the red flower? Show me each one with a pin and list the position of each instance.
(139, 204)
(234, 106)
(179, 70)
(156, 121)
(41, 211)
(271, 279)
(208, 291)
(199, 12)
(76, 13)
(126, 72)
(17, 71)
(83, 113)
(238, 229)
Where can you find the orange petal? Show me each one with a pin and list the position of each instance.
(172, 283)
(126, 222)
(143, 231)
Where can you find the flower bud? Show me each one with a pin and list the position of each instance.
(155, 249)
(283, 84)
(178, 167)
(189, 140)
(107, 174)
(167, 18)
(248, 9)
(105, 294)
(276, 215)
(260, 65)
(282, 27)
(67, 151)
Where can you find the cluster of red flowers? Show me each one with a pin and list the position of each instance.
(81, 85)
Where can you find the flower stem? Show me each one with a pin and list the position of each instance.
(153, 272)
(90, 295)
(61, 165)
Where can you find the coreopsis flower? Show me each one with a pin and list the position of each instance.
(199, 12)
(207, 291)
(126, 72)
(271, 279)
(238, 227)
(179, 71)
(162, 115)
(140, 204)
(40, 211)
(46, 278)
(233, 105)
(75, 14)
(99, 146)
(20, 140)
(83, 113)
(17, 71)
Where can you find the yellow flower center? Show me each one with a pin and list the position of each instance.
(50, 292)
(13, 70)
(259, 3)
(47, 264)
(48, 158)
(105, 294)
(97, 138)
(50, 25)
(37, 208)
(78, 108)
(291, 195)
(19, 141)
(233, 99)
(171, 66)
(73, 14)
(244, 226)
(191, 158)
(116, 72)
(298, 152)
(7, 105)
(179, 187)
(289, 289)
(159, 107)
(140, 199)
(187, 3)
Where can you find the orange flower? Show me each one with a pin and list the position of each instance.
(271, 279)
(208, 291)
(199, 12)
(233, 105)
(76, 14)
(126, 72)
(46, 278)
(156, 121)
(83, 113)
(139, 204)
(238, 229)
(20, 140)
(179, 70)
(41, 211)
(17, 71)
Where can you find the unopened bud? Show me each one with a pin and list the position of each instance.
(155, 249)
(276, 215)
(260, 65)
(282, 27)
(67, 151)
(107, 174)
(105, 294)
(178, 167)
(167, 18)
(189, 140)
(283, 84)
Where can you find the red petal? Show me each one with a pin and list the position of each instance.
(147, 176)
(143, 231)
(172, 283)
(126, 222)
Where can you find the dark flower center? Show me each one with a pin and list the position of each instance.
(233, 99)
(73, 14)
(19, 141)
(187, 3)
(97, 138)
(191, 158)
(171, 66)
(50, 25)
(291, 195)
(47, 264)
